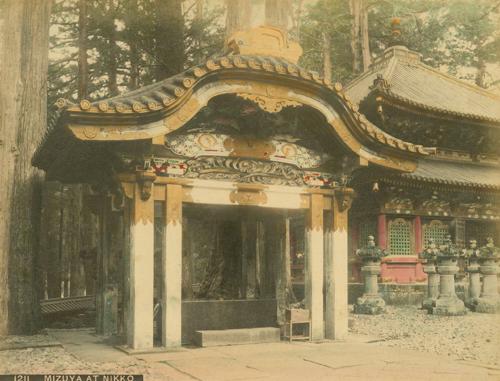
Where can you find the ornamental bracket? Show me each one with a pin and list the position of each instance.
(344, 198)
(145, 180)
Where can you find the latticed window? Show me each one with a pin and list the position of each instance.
(436, 230)
(400, 237)
(367, 227)
(479, 231)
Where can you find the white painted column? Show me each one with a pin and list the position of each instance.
(336, 314)
(314, 269)
(140, 314)
(172, 268)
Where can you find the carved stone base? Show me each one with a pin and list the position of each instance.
(370, 305)
(471, 303)
(488, 304)
(428, 304)
(449, 306)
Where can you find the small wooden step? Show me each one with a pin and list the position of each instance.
(212, 338)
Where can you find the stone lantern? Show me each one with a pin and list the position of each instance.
(429, 256)
(489, 300)
(371, 302)
(472, 255)
(448, 302)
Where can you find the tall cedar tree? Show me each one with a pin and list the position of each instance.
(24, 59)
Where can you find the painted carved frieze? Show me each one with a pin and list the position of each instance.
(436, 204)
(215, 144)
(241, 170)
(465, 203)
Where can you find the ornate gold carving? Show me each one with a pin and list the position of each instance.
(153, 106)
(137, 107)
(143, 209)
(212, 65)
(239, 62)
(182, 115)
(199, 72)
(305, 74)
(267, 66)
(341, 204)
(316, 77)
(248, 197)
(315, 220)
(178, 92)
(90, 132)
(253, 64)
(188, 82)
(85, 104)
(264, 41)
(247, 147)
(167, 101)
(120, 107)
(280, 69)
(225, 62)
(344, 198)
(174, 196)
(338, 87)
(103, 106)
(145, 180)
(269, 104)
(207, 141)
(61, 103)
(270, 98)
(292, 69)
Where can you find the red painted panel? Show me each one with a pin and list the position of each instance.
(382, 231)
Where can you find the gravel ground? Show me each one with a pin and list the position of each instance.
(474, 337)
(56, 359)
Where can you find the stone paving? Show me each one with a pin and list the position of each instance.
(386, 355)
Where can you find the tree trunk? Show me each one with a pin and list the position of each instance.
(131, 23)
(297, 20)
(83, 68)
(113, 53)
(278, 13)
(327, 57)
(244, 14)
(354, 6)
(481, 74)
(24, 60)
(238, 15)
(199, 9)
(170, 38)
(365, 40)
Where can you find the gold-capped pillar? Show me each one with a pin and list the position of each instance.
(314, 263)
(336, 274)
(141, 264)
(172, 268)
(260, 27)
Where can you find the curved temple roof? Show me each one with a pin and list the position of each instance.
(272, 83)
(400, 76)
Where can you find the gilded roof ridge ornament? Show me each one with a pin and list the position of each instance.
(264, 41)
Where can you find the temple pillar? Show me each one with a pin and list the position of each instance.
(141, 264)
(314, 266)
(337, 267)
(172, 268)
(382, 231)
